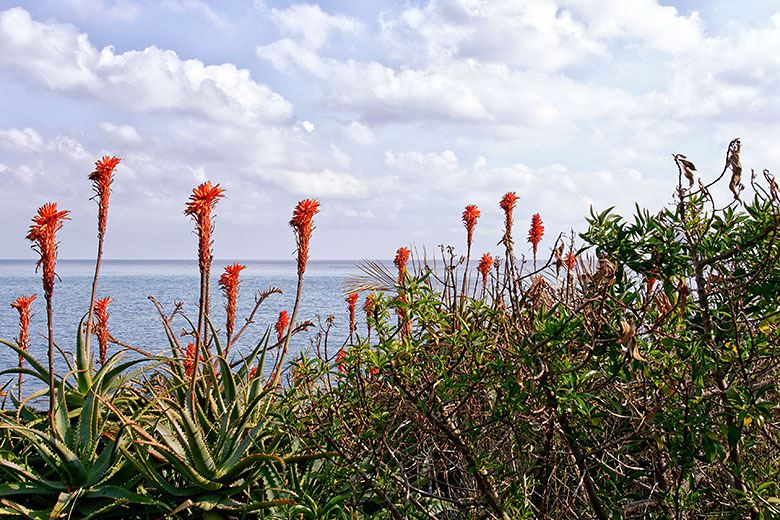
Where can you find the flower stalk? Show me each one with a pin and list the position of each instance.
(229, 283)
(470, 216)
(43, 235)
(22, 304)
(302, 223)
(202, 200)
(535, 234)
(101, 326)
(351, 303)
(101, 178)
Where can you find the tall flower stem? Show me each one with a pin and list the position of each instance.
(43, 234)
(470, 216)
(102, 178)
(302, 225)
(22, 304)
(202, 200)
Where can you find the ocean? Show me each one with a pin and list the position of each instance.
(134, 320)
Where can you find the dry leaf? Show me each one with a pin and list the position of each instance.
(558, 258)
(735, 185)
(682, 295)
(627, 331)
(688, 168)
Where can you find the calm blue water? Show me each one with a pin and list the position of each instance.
(133, 318)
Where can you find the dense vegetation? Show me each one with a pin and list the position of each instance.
(632, 374)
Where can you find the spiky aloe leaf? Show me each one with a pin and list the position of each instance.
(24, 472)
(228, 383)
(56, 454)
(142, 465)
(83, 363)
(12, 509)
(40, 372)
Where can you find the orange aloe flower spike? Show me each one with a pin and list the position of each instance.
(101, 325)
(507, 203)
(470, 216)
(351, 302)
(401, 257)
(203, 199)
(536, 232)
(281, 324)
(301, 222)
(229, 282)
(484, 268)
(43, 234)
(102, 178)
(22, 304)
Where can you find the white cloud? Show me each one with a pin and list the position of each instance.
(312, 24)
(121, 10)
(28, 141)
(21, 141)
(200, 7)
(125, 134)
(359, 133)
(324, 183)
(151, 80)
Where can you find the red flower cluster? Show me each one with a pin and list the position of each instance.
(508, 204)
(470, 216)
(570, 260)
(203, 199)
(252, 373)
(536, 232)
(189, 359)
(43, 233)
(229, 283)
(102, 178)
(101, 326)
(351, 302)
(301, 222)
(281, 324)
(340, 357)
(484, 268)
(368, 306)
(22, 304)
(401, 257)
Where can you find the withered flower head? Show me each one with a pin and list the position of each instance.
(101, 325)
(203, 199)
(484, 267)
(281, 324)
(229, 282)
(301, 222)
(470, 216)
(401, 257)
(43, 234)
(536, 232)
(22, 304)
(102, 178)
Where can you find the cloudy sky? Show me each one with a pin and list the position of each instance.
(393, 115)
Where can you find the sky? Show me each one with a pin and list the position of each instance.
(394, 115)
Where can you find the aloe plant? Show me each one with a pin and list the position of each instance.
(76, 467)
(216, 444)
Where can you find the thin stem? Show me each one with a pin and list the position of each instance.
(49, 319)
(87, 354)
(278, 371)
